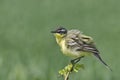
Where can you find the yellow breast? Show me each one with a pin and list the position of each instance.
(67, 51)
(70, 52)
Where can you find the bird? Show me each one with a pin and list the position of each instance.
(75, 44)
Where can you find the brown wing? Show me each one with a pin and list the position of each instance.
(86, 44)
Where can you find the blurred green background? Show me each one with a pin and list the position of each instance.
(28, 50)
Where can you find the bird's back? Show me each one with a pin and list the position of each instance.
(73, 33)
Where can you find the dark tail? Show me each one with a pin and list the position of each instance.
(98, 56)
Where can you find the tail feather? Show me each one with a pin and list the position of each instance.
(98, 56)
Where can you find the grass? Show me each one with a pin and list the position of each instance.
(29, 52)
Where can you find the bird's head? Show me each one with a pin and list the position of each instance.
(60, 32)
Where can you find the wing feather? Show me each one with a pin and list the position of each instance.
(79, 42)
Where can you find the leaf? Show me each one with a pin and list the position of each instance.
(68, 68)
(77, 67)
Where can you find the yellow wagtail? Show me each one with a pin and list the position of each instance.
(75, 44)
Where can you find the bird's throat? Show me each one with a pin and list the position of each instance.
(58, 40)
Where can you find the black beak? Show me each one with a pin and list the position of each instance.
(53, 31)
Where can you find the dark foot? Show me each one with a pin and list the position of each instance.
(74, 61)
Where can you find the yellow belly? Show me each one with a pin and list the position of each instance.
(74, 54)
(71, 53)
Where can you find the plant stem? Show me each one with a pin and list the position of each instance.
(67, 76)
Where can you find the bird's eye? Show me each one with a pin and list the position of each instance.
(62, 31)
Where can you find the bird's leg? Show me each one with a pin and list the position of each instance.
(74, 61)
